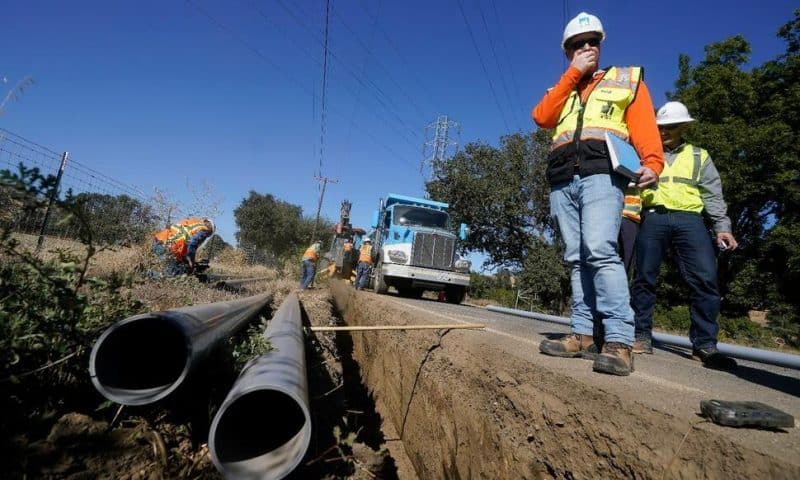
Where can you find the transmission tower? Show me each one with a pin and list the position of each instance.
(438, 139)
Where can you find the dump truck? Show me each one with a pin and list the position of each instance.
(416, 247)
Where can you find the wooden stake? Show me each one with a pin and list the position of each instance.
(354, 328)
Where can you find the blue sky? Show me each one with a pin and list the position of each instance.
(158, 93)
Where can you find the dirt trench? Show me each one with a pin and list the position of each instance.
(463, 410)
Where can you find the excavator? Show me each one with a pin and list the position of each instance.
(343, 253)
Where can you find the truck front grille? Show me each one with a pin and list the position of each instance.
(433, 251)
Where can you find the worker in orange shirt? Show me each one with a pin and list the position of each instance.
(366, 256)
(177, 244)
(310, 264)
(586, 197)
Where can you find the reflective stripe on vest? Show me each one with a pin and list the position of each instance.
(176, 237)
(677, 187)
(604, 109)
(365, 254)
(348, 246)
(633, 205)
(310, 254)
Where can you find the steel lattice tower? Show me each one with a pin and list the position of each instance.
(437, 142)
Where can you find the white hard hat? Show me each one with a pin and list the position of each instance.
(211, 222)
(582, 23)
(368, 240)
(673, 112)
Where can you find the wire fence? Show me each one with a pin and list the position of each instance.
(115, 211)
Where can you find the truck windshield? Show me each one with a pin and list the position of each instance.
(422, 217)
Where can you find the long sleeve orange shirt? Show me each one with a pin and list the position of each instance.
(640, 116)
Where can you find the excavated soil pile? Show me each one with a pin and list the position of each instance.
(465, 409)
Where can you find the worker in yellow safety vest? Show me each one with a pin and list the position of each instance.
(177, 244)
(309, 264)
(672, 218)
(366, 256)
(586, 196)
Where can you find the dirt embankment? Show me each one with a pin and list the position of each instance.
(464, 409)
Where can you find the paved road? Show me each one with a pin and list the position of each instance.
(668, 381)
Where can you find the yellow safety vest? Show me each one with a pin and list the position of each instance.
(365, 254)
(633, 204)
(678, 186)
(311, 253)
(604, 109)
(177, 236)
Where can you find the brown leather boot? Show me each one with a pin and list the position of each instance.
(616, 359)
(570, 346)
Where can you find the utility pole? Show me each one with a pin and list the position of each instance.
(437, 141)
(324, 181)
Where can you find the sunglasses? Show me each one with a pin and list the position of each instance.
(669, 128)
(575, 45)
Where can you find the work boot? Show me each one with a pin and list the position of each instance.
(616, 359)
(643, 344)
(591, 353)
(570, 346)
(712, 358)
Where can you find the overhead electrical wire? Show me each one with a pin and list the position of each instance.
(290, 77)
(483, 66)
(514, 83)
(496, 59)
(324, 107)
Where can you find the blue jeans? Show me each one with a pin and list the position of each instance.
(588, 211)
(362, 275)
(308, 273)
(697, 262)
(172, 266)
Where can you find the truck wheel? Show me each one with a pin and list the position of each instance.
(455, 295)
(379, 284)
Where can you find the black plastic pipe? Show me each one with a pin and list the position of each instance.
(263, 428)
(145, 358)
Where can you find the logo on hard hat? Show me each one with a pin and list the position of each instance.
(583, 21)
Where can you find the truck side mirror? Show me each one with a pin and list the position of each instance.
(463, 231)
(375, 219)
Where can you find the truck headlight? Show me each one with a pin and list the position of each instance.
(398, 256)
(463, 265)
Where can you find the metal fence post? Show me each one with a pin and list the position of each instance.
(52, 199)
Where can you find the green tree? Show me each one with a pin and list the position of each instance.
(114, 219)
(214, 246)
(502, 193)
(273, 225)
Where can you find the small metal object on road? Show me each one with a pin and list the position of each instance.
(356, 328)
(745, 414)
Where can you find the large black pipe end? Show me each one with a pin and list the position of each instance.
(263, 433)
(140, 360)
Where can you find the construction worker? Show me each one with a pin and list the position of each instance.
(365, 258)
(672, 217)
(177, 244)
(309, 264)
(586, 198)
(347, 259)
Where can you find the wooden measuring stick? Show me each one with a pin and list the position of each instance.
(357, 328)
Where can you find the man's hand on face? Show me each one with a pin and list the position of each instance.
(585, 61)
(646, 177)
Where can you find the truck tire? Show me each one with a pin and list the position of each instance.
(455, 295)
(379, 284)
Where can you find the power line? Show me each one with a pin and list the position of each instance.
(365, 83)
(510, 63)
(290, 77)
(496, 59)
(401, 132)
(483, 65)
(324, 85)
